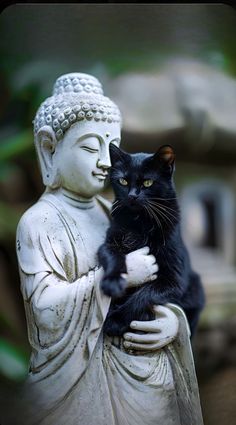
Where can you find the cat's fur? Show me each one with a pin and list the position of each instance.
(146, 216)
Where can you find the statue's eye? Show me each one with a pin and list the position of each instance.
(123, 182)
(148, 183)
(89, 149)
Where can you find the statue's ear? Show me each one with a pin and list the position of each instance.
(165, 158)
(46, 145)
(117, 154)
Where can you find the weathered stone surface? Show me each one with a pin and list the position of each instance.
(77, 374)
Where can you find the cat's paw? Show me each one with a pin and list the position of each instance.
(113, 287)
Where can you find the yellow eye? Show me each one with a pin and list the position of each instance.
(148, 183)
(123, 181)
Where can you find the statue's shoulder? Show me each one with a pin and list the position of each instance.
(39, 218)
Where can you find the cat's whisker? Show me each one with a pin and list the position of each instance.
(163, 215)
(168, 214)
(151, 213)
(167, 219)
(167, 208)
(163, 209)
(163, 206)
(118, 201)
(147, 211)
(117, 206)
(163, 199)
(157, 221)
(160, 225)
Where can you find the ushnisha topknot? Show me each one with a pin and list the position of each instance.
(77, 83)
(75, 97)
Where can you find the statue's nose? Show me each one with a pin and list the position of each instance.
(104, 161)
(103, 164)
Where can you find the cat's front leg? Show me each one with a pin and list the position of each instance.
(113, 262)
(113, 286)
(138, 306)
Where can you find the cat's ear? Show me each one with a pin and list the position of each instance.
(165, 158)
(117, 154)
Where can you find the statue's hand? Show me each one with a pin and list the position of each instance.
(141, 267)
(158, 332)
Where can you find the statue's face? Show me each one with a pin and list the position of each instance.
(83, 157)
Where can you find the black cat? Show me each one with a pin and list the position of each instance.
(146, 213)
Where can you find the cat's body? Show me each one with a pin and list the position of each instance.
(146, 216)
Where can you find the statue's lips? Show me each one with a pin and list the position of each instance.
(100, 176)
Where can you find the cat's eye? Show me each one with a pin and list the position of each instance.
(123, 181)
(148, 183)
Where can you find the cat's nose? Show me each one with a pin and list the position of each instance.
(132, 197)
(133, 194)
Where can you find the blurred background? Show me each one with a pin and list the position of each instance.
(172, 71)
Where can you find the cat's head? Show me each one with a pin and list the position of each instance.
(138, 178)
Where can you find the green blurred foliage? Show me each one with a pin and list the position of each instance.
(8, 221)
(14, 146)
(13, 361)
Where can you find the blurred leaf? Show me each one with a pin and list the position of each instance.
(37, 73)
(13, 362)
(7, 328)
(5, 171)
(16, 145)
(9, 219)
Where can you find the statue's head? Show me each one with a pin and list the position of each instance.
(72, 131)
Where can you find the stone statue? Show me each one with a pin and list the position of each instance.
(77, 375)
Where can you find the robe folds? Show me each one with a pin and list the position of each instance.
(77, 376)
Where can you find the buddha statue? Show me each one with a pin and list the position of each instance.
(78, 375)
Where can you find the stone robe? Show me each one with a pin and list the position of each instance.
(76, 376)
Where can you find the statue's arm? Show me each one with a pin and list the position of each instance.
(156, 333)
(51, 300)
